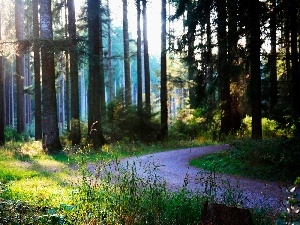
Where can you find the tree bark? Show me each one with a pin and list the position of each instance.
(75, 120)
(51, 141)
(139, 57)
(110, 69)
(19, 25)
(255, 82)
(126, 54)
(273, 66)
(2, 110)
(222, 69)
(94, 85)
(37, 72)
(101, 60)
(146, 59)
(295, 64)
(192, 64)
(233, 38)
(163, 79)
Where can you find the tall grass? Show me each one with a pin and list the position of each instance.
(275, 159)
(84, 187)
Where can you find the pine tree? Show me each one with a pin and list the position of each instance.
(19, 25)
(37, 72)
(126, 54)
(94, 83)
(51, 141)
(75, 120)
(2, 111)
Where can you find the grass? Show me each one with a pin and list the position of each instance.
(58, 189)
(270, 159)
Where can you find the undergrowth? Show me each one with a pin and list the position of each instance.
(86, 187)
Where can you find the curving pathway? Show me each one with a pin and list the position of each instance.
(173, 168)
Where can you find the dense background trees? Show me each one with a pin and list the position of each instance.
(218, 62)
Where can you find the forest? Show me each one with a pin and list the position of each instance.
(62, 71)
(79, 77)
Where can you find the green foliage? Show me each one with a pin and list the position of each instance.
(270, 128)
(127, 123)
(188, 125)
(11, 134)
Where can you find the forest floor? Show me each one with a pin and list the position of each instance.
(172, 167)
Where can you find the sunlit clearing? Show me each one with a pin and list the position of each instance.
(40, 191)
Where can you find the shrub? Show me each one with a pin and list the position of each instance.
(127, 123)
(270, 128)
(188, 125)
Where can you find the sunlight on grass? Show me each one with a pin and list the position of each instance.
(38, 191)
(61, 187)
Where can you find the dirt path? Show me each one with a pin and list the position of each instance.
(173, 167)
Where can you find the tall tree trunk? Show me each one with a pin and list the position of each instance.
(51, 140)
(126, 54)
(19, 25)
(233, 38)
(222, 69)
(139, 57)
(75, 120)
(295, 63)
(2, 110)
(209, 64)
(139, 67)
(146, 59)
(255, 85)
(66, 108)
(94, 104)
(287, 49)
(101, 59)
(192, 64)
(273, 67)
(37, 72)
(110, 69)
(163, 78)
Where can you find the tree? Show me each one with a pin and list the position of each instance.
(101, 60)
(2, 111)
(146, 59)
(224, 78)
(126, 54)
(19, 26)
(37, 72)
(233, 64)
(109, 54)
(163, 78)
(255, 82)
(51, 140)
(295, 63)
(190, 58)
(94, 80)
(139, 56)
(75, 120)
(2, 114)
(273, 56)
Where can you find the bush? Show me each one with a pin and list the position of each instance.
(187, 126)
(11, 134)
(270, 128)
(126, 123)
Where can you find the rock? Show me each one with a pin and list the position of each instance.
(219, 214)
